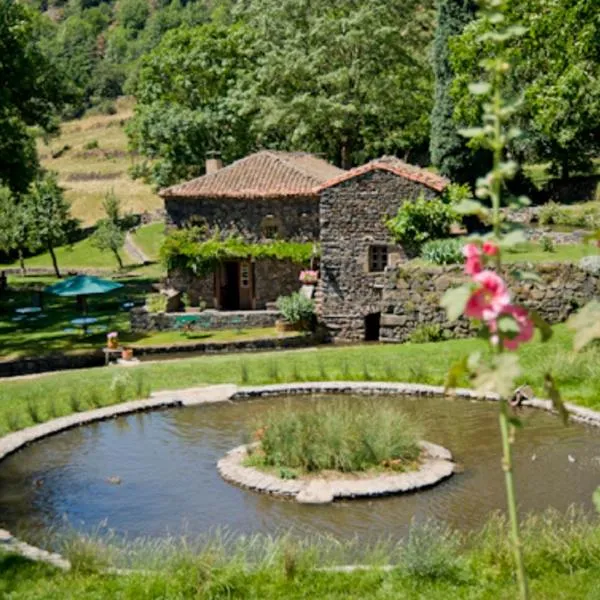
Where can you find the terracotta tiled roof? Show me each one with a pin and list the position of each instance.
(393, 165)
(264, 174)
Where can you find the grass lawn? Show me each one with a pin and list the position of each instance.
(578, 375)
(80, 255)
(87, 174)
(54, 332)
(533, 252)
(150, 238)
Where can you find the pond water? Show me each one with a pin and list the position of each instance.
(166, 462)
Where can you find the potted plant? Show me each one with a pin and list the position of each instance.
(297, 311)
(112, 340)
(127, 353)
(309, 277)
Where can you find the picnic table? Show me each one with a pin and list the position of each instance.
(83, 322)
(188, 322)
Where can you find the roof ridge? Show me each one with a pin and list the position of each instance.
(291, 165)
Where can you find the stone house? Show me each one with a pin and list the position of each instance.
(265, 196)
(356, 246)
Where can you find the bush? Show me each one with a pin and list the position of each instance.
(343, 435)
(91, 145)
(427, 333)
(296, 308)
(547, 244)
(419, 221)
(443, 252)
(554, 214)
(156, 303)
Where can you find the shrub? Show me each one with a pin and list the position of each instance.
(156, 303)
(296, 308)
(547, 244)
(91, 145)
(419, 221)
(427, 333)
(343, 435)
(443, 252)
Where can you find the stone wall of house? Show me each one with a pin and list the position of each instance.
(273, 278)
(411, 296)
(352, 219)
(296, 218)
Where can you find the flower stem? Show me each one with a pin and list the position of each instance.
(511, 501)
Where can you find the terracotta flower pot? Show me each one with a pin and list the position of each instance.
(282, 326)
(127, 354)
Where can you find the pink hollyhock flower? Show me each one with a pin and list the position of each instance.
(490, 249)
(473, 263)
(525, 324)
(489, 299)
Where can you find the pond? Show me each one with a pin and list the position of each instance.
(166, 464)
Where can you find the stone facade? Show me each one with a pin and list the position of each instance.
(272, 278)
(411, 296)
(352, 219)
(293, 218)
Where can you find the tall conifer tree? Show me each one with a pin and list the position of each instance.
(449, 152)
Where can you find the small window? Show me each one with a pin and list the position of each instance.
(378, 258)
(270, 227)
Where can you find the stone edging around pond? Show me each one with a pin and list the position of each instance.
(436, 466)
(221, 393)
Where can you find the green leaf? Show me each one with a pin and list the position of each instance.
(526, 276)
(585, 324)
(471, 132)
(515, 422)
(480, 88)
(456, 372)
(500, 376)
(507, 325)
(541, 324)
(470, 207)
(596, 499)
(513, 238)
(554, 395)
(455, 300)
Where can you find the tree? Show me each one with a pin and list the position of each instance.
(449, 151)
(14, 231)
(110, 233)
(31, 93)
(187, 102)
(556, 78)
(49, 216)
(350, 80)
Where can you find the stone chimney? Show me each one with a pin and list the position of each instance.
(213, 163)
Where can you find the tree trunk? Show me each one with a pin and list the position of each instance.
(345, 156)
(118, 257)
(54, 261)
(565, 171)
(22, 262)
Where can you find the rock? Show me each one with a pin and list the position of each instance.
(114, 480)
(316, 492)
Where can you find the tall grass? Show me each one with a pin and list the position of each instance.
(343, 435)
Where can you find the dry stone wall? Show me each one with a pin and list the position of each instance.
(411, 296)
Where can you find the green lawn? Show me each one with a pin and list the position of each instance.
(435, 563)
(54, 332)
(80, 255)
(578, 375)
(533, 252)
(150, 238)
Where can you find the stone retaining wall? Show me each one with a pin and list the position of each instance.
(411, 296)
(141, 320)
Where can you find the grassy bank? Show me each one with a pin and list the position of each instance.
(92, 157)
(25, 401)
(562, 557)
